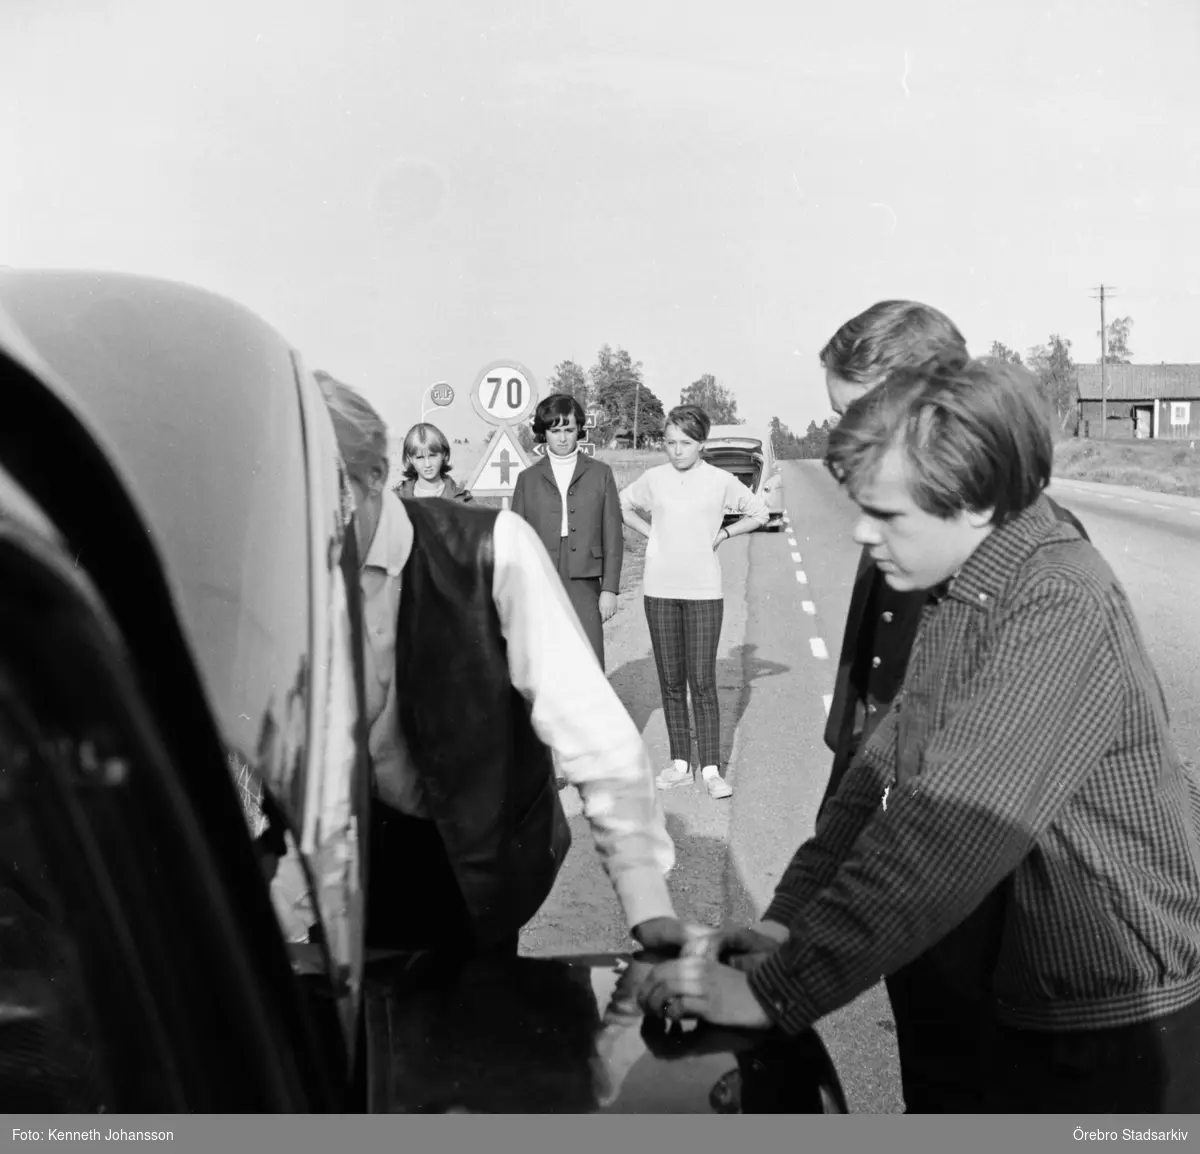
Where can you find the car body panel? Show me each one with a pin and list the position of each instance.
(135, 915)
(223, 438)
(749, 456)
(198, 398)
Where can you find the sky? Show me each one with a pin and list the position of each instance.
(409, 191)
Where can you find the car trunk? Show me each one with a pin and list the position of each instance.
(746, 466)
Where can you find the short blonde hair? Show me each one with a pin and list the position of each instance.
(362, 434)
(434, 439)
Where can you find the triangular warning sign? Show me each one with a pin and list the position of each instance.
(496, 473)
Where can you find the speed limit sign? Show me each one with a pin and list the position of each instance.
(505, 392)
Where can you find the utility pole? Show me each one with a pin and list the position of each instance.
(637, 395)
(1104, 291)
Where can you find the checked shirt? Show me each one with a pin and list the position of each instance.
(1027, 772)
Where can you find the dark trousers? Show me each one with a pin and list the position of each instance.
(942, 1036)
(684, 635)
(1148, 1068)
(413, 898)
(584, 593)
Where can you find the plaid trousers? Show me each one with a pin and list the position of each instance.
(684, 635)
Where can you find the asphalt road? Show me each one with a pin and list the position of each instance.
(786, 600)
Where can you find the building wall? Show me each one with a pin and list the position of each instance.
(1169, 430)
(1120, 419)
(1121, 423)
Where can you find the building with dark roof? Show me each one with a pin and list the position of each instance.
(1160, 401)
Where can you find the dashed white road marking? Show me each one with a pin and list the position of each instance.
(1103, 496)
(791, 540)
(827, 700)
(796, 557)
(801, 576)
(1162, 506)
(817, 645)
(808, 607)
(1194, 513)
(1131, 500)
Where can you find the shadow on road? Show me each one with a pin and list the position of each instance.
(636, 684)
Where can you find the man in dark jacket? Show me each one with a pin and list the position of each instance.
(478, 681)
(573, 505)
(937, 1027)
(881, 624)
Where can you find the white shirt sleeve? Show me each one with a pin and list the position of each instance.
(578, 715)
(638, 494)
(742, 499)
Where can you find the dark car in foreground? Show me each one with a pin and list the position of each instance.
(183, 777)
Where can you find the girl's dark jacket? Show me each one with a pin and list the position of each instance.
(452, 492)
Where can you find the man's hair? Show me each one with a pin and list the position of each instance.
(361, 432)
(691, 420)
(888, 336)
(974, 436)
(557, 407)
(433, 439)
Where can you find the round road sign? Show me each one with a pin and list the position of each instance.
(505, 392)
(442, 394)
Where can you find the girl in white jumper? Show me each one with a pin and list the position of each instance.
(687, 500)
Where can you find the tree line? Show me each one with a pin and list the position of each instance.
(789, 447)
(628, 411)
(1052, 367)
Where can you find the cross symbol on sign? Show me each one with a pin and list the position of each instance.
(504, 465)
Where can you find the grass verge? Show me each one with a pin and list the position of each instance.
(1159, 466)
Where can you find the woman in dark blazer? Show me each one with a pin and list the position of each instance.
(571, 501)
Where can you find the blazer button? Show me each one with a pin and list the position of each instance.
(870, 709)
(572, 548)
(573, 530)
(876, 662)
(888, 616)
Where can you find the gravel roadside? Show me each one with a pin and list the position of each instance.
(582, 913)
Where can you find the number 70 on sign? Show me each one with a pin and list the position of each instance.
(504, 392)
(513, 392)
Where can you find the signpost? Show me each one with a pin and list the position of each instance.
(504, 394)
(587, 448)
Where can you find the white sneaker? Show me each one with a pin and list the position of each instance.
(718, 788)
(673, 776)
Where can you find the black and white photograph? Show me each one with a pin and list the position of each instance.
(574, 559)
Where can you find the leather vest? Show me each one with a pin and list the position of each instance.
(488, 778)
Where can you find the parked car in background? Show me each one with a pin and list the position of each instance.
(183, 780)
(751, 458)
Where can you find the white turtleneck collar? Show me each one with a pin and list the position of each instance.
(563, 469)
